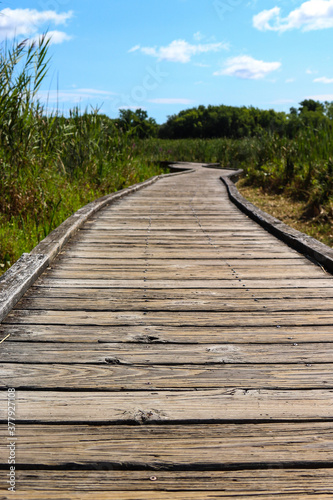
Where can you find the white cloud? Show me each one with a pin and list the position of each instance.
(262, 20)
(55, 37)
(96, 92)
(27, 23)
(180, 50)
(290, 80)
(311, 15)
(134, 49)
(323, 79)
(247, 67)
(321, 97)
(75, 96)
(170, 101)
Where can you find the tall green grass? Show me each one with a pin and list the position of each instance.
(50, 165)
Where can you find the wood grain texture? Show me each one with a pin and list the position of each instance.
(156, 377)
(162, 446)
(174, 339)
(165, 354)
(91, 303)
(237, 482)
(172, 406)
(17, 280)
(158, 495)
(153, 334)
(192, 284)
(172, 318)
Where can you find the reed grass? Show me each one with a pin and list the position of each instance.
(51, 165)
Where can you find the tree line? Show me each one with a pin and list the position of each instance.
(228, 121)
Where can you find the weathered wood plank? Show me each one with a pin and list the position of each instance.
(159, 495)
(156, 377)
(171, 252)
(233, 243)
(75, 262)
(183, 274)
(160, 224)
(189, 284)
(251, 482)
(151, 353)
(120, 304)
(170, 334)
(201, 294)
(164, 240)
(156, 236)
(172, 318)
(209, 405)
(163, 446)
(16, 281)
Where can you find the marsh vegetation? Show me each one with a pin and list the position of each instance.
(50, 164)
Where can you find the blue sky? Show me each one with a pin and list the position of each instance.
(165, 56)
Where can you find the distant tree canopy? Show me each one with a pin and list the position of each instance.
(228, 121)
(137, 123)
(237, 122)
(311, 105)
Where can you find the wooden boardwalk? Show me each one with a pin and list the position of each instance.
(175, 350)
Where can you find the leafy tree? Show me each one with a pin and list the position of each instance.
(137, 123)
(311, 105)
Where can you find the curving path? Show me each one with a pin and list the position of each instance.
(173, 350)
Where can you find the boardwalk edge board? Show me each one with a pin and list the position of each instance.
(22, 275)
(297, 240)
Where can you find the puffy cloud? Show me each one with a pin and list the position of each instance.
(179, 50)
(262, 20)
(311, 15)
(55, 37)
(247, 67)
(323, 79)
(27, 22)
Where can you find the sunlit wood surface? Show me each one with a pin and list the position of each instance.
(175, 350)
